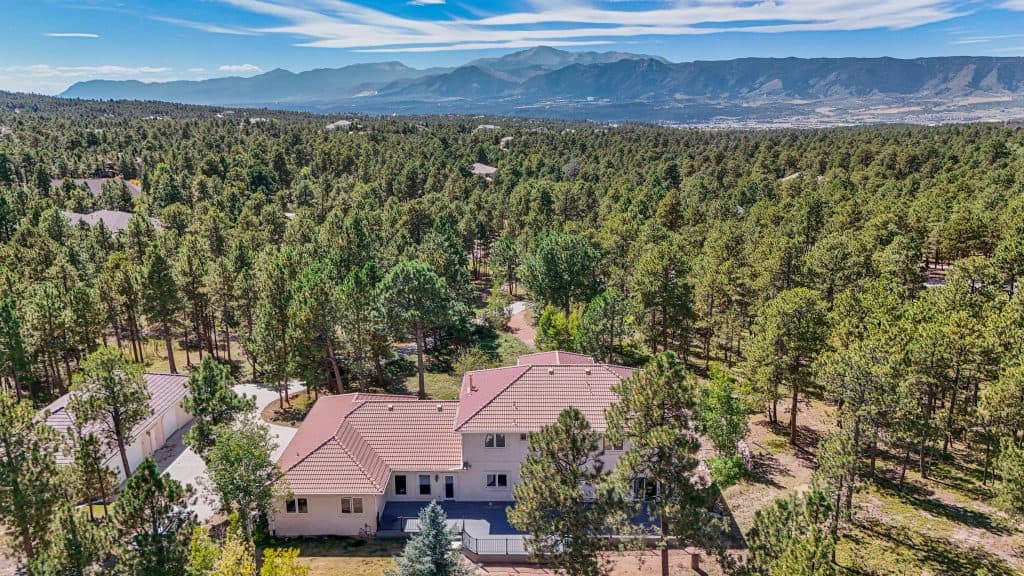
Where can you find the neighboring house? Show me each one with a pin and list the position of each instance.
(366, 463)
(114, 220)
(167, 391)
(95, 185)
(481, 169)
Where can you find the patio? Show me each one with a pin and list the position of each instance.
(479, 519)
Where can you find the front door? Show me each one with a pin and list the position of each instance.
(449, 487)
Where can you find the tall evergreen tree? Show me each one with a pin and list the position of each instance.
(561, 498)
(654, 420)
(28, 475)
(111, 394)
(212, 403)
(416, 301)
(161, 302)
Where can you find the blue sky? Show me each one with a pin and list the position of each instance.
(46, 45)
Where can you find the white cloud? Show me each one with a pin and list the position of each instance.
(205, 27)
(241, 68)
(71, 35)
(426, 2)
(48, 79)
(1013, 5)
(345, 24)
(196, 70)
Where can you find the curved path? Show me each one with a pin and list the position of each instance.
(185, 466)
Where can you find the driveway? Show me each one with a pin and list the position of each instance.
(185, 466)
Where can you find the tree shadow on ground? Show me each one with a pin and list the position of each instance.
(921, 498)
(940, 554)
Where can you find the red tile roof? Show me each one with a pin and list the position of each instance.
(526, 398)
(165, 391)
(350, 444)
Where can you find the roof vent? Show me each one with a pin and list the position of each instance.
(391, 407)
(586, 371)
(439, 407)
(551, 371)
(469, 379)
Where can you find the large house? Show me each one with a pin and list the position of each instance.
(366, 463)
(166, 416)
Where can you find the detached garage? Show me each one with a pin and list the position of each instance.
(167, 391)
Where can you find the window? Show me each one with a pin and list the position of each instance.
(497, 480)
(522, 437)
(424, 484)
(608, 445)
(351, 505)
(644, 489)
(400, 489)
(296, 506)
(494, 441)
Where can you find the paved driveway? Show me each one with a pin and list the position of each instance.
(185, 466)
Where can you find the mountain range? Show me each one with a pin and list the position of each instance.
(616, 86)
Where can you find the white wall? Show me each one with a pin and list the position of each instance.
(412, 484)
(324, 517)
(472, 482)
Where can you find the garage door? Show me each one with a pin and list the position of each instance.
(170, 421)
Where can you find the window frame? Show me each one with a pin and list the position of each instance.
(296, 506)
(428, 485)
(491, 440)
(497, 476)
(353, 503)
(405, 485)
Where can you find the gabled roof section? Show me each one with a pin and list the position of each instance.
(350, 444)
(526, 397)
(480, 387)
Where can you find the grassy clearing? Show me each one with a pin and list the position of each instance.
(344, 556)
(154, 352)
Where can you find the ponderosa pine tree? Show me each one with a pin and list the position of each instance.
(152, 513)
(607, 321)
(76, 545)
(161, 302)
(654, 420)
(14, 362)
(111, 394)
(561, 499)
(313, 325)
(562, 270)
(212, 403)
(785, 339)
(429, 551)
(29, 476)
(790, 537)
(665, 298)
(415, 302)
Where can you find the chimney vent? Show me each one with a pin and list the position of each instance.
(439, 407)
(551, 371)
(391, 407)
(586, 371)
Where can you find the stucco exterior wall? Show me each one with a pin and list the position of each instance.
(324, 517)
(472, 482)
(412, 480)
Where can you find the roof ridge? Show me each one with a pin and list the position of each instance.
(498, 368)
(356, 460)
(496, 394)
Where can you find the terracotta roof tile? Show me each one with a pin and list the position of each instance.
(351, 443)
(536, 397)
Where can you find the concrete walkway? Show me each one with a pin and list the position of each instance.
(185, 466)
(520, 323)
